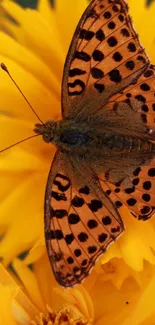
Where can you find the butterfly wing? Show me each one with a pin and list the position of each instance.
(80, 221)
(140, 97)
(135, 109)
(105, 56)
(133, 188)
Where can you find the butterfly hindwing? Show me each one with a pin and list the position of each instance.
(134, 188)
(105, 56)
(80, 223)
(140, 97)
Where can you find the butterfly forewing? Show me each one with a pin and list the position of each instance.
(105, 56)
(80, 223)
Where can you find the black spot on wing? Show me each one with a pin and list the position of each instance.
(97, 73)
(115, 76)
(117, 56)
(99, 87)
(125, 32)
(151, 172)
(147, 185)
(132, 47)
(77, 252)
(95, 205)
(83, 56)
(84, 190)
(59, 213)
(86, 34)
(79, 83)
(102, 237)
(73, 219)
(92, 249)
(130, 65)
(111, 25)
(83, 237)
(69, 238)
(100, 36)
(58, 196)
(59, 180)
(54, 234)
(137, 171)
(98, 55)
(106, 220)
(77, 202)
(92, 223)
(76, 72)
(112, 41)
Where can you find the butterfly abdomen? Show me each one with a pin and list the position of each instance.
(123, 143)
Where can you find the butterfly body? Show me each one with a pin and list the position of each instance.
(105, 141)
(95, 135)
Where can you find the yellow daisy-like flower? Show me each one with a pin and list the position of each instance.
(35, 298)
(34, 49)
(33, 45)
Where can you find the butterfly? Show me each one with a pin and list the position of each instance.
(105, 142)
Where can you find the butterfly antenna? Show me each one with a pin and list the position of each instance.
(13, 145)
(3, 66)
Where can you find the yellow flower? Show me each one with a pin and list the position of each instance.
(35, 53)
(33, 297)
(33, 45)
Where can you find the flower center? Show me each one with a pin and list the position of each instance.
(65, 316)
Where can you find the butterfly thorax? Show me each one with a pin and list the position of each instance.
(83, 139)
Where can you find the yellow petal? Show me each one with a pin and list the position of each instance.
(145, 307)
(7, 295)
(14, 130)
(35, 35)
(24, 212)
(45, 102)
(37, 251)
(80, 301)
(135, 244)
(66, 12)
(89, 303)
(42, 270)
(29, 281)
(28, 61)
(7, 280)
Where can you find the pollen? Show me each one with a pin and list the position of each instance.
(66, 316)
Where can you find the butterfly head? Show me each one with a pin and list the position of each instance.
(47, 130)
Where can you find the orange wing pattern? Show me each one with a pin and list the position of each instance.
(140, 95)
(105, 56)
(80, 223)
(136, 190)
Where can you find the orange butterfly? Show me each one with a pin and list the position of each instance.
(106, 154)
